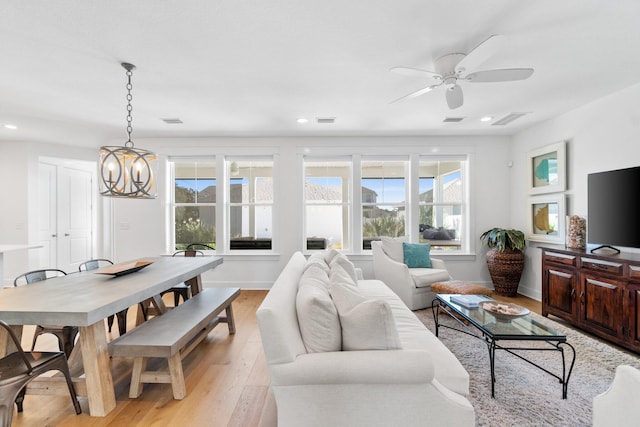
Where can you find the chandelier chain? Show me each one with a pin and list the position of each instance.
(129, 143)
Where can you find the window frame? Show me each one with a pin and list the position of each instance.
(346, 235)
(228, 204)
(171, 162)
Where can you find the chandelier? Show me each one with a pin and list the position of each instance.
(127, 171)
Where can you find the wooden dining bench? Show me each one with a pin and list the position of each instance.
(173, 335)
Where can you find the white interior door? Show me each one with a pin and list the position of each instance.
(66, 201)
(47, 215)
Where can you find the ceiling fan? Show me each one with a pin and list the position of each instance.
(455, 67)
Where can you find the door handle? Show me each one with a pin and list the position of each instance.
(66, 234)
(54, 235)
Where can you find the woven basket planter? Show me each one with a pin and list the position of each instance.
(505, 269)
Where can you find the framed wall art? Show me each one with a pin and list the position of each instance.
(547, 169)
(546, 219)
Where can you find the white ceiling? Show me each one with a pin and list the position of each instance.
(250, 67)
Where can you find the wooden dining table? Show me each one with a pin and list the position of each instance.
(85, 299)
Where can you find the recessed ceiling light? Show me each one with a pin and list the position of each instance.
(12, 127)
(302, 120)
(486, 119)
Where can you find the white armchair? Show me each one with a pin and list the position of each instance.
(412, 285)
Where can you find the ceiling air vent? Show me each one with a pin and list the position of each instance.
(329, 120)
(172, 121)
(453, 119)
(507, 119)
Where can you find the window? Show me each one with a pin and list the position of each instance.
(327, 203)
(250, 207)
(421, 197)
(194, 203)
(384, 199)
(441, 203)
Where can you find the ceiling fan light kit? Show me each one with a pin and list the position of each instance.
(452, 68)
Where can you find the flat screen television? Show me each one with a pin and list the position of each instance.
(613, 213)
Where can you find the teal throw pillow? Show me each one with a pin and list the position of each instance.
(416, 255)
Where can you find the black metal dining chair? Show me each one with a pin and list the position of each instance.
(66, 334)
(200, 246)
(94, 264)
(182, 290)
(19, 368)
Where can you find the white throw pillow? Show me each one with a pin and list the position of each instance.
(367, 324)
(318, 319)
(343, 261)
(392, 246)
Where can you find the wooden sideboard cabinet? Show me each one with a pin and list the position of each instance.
(597, 293)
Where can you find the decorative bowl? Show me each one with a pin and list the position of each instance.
(122, 269)
(504, 311)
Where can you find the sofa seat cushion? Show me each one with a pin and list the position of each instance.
(424, 277)
(415, 336)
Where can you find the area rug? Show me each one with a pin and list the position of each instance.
(525, 395)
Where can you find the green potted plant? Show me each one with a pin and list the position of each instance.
(505, 258)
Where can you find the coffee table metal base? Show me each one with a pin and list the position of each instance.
(438, 306)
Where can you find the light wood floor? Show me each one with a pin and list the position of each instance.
(226, 378)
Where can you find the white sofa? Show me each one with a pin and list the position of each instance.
(618, 406)
(421, 383)
(412, 285)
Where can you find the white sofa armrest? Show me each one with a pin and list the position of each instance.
(356, 367)
(618, 406)
(393, 273)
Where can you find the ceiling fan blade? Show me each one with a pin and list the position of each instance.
(454, 97)
(414, 72)
(415, 94)
(479, 54)
(505, 75)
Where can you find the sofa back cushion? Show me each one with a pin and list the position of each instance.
(314, 274)
(341, 264)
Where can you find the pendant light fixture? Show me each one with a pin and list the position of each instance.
(127, 171)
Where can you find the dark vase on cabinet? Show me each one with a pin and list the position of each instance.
(597, 293)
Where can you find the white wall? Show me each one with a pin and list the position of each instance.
(139, 225)
(18, 215)
(602, 135)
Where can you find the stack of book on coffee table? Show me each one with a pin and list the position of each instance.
(469, 301)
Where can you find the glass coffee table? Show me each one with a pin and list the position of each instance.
(498, 333)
